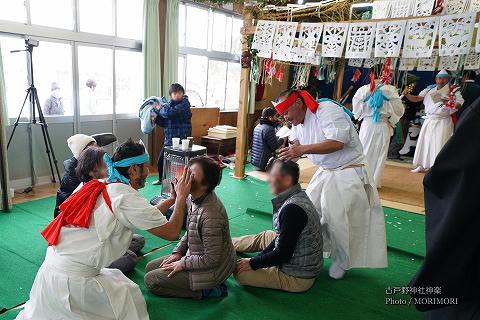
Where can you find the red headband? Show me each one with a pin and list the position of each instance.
(310, 102)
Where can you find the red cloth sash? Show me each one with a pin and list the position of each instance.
(310, 102)
(77, 209)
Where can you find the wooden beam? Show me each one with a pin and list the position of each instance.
(242, 118)
(339, 79)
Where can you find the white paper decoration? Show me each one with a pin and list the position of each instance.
(334, 36)
(370, 62)
(381, 9)
(400, 8)
(423, 7)
(474, 6)
(283, 41)
(477, 42)
(472, 61)
(455, 6)
(455, 34)
(407, 64)
(389, 38)
(309, 36)
(361, 36)
(428, 64)
(449, 63)
(355, 62)
(420, 37)
(263, 38)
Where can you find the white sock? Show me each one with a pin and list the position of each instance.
(336, 272)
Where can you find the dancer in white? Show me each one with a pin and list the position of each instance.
(380, 107)
(342, 189)
(441, 101)
(94, 228)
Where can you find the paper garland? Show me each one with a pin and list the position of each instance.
(455, 6)
(472, 61)
(389, 38)
(355, 62)
(400, 8)
(263, 38)
(474, 6)
(283, 41)
(455, 34)
(420, 37)
(449, 63)
(381, 9)
(361, 36)
(309, 37)
(423, 7)
(407, 64)
(428, 64)
(334, 36)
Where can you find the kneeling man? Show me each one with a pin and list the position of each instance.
(291, 255)
(204, 258)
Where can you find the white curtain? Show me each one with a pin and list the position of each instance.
(151, 49)
(5, 201)
(170, 65)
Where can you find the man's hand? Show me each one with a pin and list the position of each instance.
(173, 193)
(184, 185)
(290, 153)
(243, 265)
(170, 259)
(174, 266)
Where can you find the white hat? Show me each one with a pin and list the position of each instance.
(78, 143)
(443, 73)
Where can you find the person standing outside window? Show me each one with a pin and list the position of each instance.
(54, 104)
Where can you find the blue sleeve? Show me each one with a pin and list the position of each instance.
(159, 120)
(172, 110)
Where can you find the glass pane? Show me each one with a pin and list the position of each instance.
(15, 73)
(128, 81)
(196, 79)
(197, 27)
(52, 63)
(13, 10)
(228, 35)
(219, 32)
(233, 86)
(236, 36)
(130, 19)
(96, 16)
(181, 70)
(52, 13)
(181, 25)
(96, 78)
(217, 72)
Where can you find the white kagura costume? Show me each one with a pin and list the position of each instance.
(73, 283)
(436, 129)
(343, 191)
(375, 135)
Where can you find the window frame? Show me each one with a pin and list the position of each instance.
(74, 37)
(183, 50)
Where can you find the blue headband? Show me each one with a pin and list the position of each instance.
(113, 174)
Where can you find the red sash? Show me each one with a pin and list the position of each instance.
(76, 210)
(310, 102)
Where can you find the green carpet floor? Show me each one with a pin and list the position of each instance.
(361, 295)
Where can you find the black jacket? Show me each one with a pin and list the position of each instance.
(452, 224)
(69, 183)
(470, 93)
(264, 143)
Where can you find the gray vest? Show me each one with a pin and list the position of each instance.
(307, 259)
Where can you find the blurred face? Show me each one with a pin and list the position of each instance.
(296, 113)
(176, 96)
(442, 81)
(100, 171)
(197, 179)
(278, 182)
(138, 175)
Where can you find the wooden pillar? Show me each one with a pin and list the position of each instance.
(339, 80)
(242, 118)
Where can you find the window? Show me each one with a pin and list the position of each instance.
(96, 16)
(52, 63)
(95, 73)
(128, 80)
(52, 13)
(129, 19)
(13, 10)
(208, 62)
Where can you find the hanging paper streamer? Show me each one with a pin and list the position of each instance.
(381, 9)
(263, 38)
(389, 38)
(334, 36)
(455, 6)
(449, 63)
(455, 34)
(387, 72)
(355, 62)
(370, 62)
(308, 39)
(361, 36)
(428, 64)
(474, 6)
(407, 64)
(400, 8)
(472, 61)
(423, 7)
(420, 37)
(283, 40)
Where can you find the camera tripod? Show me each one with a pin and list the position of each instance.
(32, 97)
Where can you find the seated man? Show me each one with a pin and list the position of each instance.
(91, 166)
(292, 255)
(204, 258)
(265, 142)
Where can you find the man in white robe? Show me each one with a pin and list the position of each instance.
(438, 125)
(94, 228)
(341, 189)
(378, 123)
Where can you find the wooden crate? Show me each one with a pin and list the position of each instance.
(219, 146)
